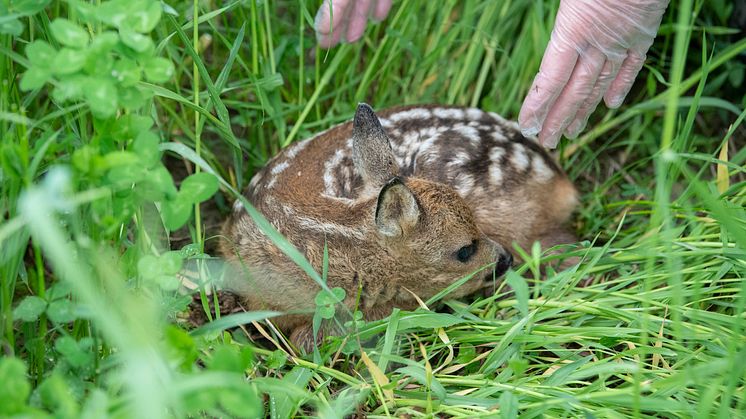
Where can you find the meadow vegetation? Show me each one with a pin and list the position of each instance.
(127, 131)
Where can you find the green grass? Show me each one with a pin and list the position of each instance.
(94, 229)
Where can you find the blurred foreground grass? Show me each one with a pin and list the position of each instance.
(94, 227)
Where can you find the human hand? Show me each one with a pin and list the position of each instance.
(347, 18)
(596, 50)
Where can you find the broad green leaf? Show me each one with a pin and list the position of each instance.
(149, 267)
(98, 64)
(70, 88)
(28, 7)
(146, 147)
(74, 354)
(59, 289)
(144, 19)
(96, 405)
(133, 98)
(104, 42)
(198, 187)
(121, 158)
(158, 70)
(35, 78)
(136, 41)
(168, 282)
(84, 10)
(101, 96)
(127, 175)
(40, 53)
(30, 309)
(61, 311)
(12, 27)
(242, 402)
(229, 358)
(14, 386)
(126, 72)
(176, 213)
(130, 126)
(326, 311)
(57, 396)
(68, 61)
(114, 12)
(69, 33)
(285, 404)
(171, 263)
(200, 401)
(276, 359)
(161, 179)
(520, 287)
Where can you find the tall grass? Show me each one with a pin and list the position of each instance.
(95, 230)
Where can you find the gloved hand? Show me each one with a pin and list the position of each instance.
(596, 50)
(348, 18)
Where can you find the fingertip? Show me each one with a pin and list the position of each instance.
(549, 139)
(614, 101)
(381, 10)
(528, 123)
(529, 131)
(354, 33)
(574, 129)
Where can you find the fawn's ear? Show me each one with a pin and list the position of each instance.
(397, 211)
(371, 149)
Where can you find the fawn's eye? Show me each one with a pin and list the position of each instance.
(465, 253)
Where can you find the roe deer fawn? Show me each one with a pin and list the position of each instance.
(406, 204)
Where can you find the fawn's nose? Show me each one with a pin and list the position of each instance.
(503, 263)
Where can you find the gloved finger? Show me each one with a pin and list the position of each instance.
(358, 19)
(625, 79)
(608, 74)
(555, 70)
(381, 10)
(579, 87)
(330, 22)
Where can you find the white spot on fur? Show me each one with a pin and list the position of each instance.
(519, 158)
(414, 113)
(498, 118)
(474, 114)
(470, 133)
(495, 170)
(256, 179)
(330, 228)
(498, 136)
(447, 113)
(329, 166)
(238, 206)
(496, 154)
(542, 172)
(297, 147)
(496, 174)
(280, 168)
(463, 183)
(460, 159)
(386, 123)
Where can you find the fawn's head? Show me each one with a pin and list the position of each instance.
(425, 225)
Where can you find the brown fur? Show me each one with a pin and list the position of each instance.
(388, 234)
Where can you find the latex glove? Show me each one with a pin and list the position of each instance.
(346, 19)
(596, 50)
